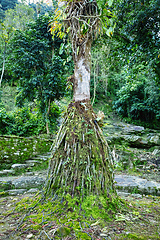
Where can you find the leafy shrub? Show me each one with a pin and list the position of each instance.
(26, 122)
(5, 121)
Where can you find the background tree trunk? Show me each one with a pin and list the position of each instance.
(4, 58)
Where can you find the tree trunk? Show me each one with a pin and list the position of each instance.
(82, 73)
(47, 117)
(81, 162)
(4, 58)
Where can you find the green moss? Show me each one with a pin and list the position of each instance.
(81, 235)
(3, 194)
(136, 236)
(19, 149)
(63, 231)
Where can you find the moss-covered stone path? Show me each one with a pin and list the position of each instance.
(142, 223)
(16, 185)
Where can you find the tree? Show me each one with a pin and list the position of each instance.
(138, 27)
(38, 70)
(6, 4)
(6, 32)
(81, 163)
(16, 18)
(135, 52)
(139, 97)
(79, 185)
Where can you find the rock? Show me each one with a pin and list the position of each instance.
(140, 166)
(19, 166)
(42, 157)
(132, 128)
(14, 192)
(2, 173)
(5, 185)
(103, 235)
(134, 140)
(136, 184)
(29, 236)
(155, 140)
(9, 171)
(136, 136)
(29, 182)
(29, 173)
(136, 195)
(33, 190)
(143, 160)
(33, 162)
(124, 183)
(123, 194)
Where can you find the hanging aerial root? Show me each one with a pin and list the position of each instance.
(80, 175)
(81, 163)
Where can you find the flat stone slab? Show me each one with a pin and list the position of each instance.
(28, 182)
(42, 157)
(33, 162)
(15, 192)
(19, 166)
(33, 190)
(8, 171)
(124, 183)
(136, 184)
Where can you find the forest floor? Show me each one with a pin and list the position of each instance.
(141, 221)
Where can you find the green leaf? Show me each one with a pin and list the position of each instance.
(109, 31)
(110, 3)
(61, 48)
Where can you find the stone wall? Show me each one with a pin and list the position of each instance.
(15, 149)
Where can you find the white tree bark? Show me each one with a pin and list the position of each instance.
(4, 59)
(82, 73)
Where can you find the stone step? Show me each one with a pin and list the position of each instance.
(43, 157)
(134, 184)
(124, 183)
(28, 163)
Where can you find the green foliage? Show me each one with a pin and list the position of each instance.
(16, 18)
(138, 28)
(139, 97)
(26, 122)
(6, 4)
(7, 98)
(5, 121)
(38, 68)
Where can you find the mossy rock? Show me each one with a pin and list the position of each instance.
(63, 232)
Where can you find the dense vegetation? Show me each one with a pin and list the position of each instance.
(125, 67)
(129, 65)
